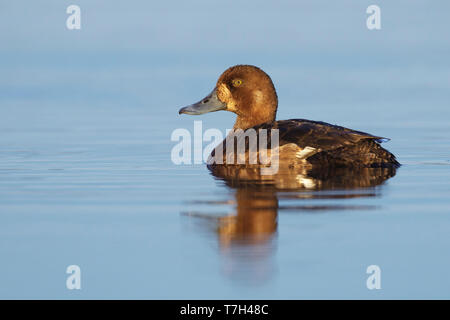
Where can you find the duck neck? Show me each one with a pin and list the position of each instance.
(244, 122)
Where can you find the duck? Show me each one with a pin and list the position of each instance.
(249, 92)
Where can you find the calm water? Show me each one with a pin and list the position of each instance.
(86, 177)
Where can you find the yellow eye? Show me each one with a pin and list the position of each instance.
(236, 82)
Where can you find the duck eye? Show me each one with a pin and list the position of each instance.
(236, 82)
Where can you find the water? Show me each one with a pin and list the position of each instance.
(85, 172)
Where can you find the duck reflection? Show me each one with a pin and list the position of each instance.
(246, 235)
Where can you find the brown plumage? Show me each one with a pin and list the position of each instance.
(335, 146)
(249, 93)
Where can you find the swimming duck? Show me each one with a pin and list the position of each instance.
(249, 92)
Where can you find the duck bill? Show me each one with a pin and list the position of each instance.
(210, 103)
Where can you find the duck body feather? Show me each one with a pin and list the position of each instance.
(315, 143)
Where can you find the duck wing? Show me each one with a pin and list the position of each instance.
(319, 135)
(327, 144)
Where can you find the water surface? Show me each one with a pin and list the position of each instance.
(85, 171)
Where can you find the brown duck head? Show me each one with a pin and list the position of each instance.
(245, 90)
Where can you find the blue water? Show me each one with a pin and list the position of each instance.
(86, 176)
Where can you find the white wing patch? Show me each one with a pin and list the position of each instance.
(306, 152)
(306, 182)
